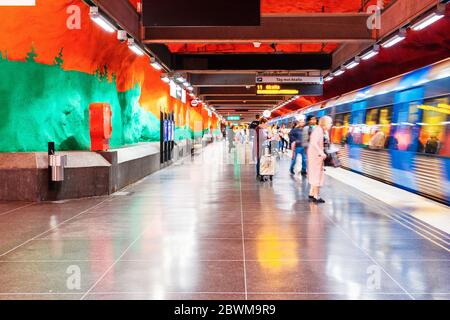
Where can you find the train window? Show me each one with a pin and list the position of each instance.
(340, 128)
(435, 126)
(370, 129)
(336, 131)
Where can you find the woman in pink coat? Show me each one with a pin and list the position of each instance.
(316, 157)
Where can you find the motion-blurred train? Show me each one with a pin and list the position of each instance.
(396, 131)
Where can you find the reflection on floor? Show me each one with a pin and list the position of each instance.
(206, 229)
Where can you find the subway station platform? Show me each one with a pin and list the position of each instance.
(205, 228)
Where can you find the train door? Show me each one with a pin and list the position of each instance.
(404, 139)
(355, 134)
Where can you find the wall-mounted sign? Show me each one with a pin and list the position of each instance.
(287, 89)
(233, 118)
(195, 103)
(177, 92)
(289, 79)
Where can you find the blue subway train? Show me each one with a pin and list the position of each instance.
(396, 131)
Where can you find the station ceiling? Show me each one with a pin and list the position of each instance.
(302, 37)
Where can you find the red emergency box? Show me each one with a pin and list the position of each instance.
(100, 119)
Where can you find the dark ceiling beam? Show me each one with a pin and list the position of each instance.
(226, 91)
(298, 28)
(222, 79)
(251, 62)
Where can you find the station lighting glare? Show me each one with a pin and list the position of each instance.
(372, 53)
(395, 39)
(190, 88)
(155, 64)
(135, 48)
(181, 79)
(100, 20)
(353, 64)
(267, 114)
(428, 20)
(329, 78)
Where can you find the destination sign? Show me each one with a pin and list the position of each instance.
(288, 79)
(289, 89)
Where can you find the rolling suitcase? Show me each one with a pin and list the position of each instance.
(267, 166)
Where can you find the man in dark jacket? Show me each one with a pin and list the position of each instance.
(296, 139)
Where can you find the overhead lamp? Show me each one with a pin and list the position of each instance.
(267, 114)
(257, 44)
(428, 20)
(353, 64)
(165, 78)
(329, 77)
(190, 88)
(135, 48)
(339, 72)
(100, 20)
(155, 64)
(180, 79)
(400, 36)
(372, 53)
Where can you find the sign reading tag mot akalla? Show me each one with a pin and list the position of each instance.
(289, 79)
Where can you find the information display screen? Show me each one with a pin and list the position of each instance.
(268, 89)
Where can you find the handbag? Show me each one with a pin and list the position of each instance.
(332, 160)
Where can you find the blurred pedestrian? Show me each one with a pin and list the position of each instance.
(296, 140)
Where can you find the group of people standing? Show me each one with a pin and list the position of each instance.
(308, 138)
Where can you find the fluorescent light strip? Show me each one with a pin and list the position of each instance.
(370, 55)
(429, 20)
(393, 41)
(155, 64)
(103, 23)
(339, 72)
(352, 65)
(135, 48)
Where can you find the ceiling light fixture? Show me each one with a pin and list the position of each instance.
(155, 64)
(165, 78)
(135, 48)
(353, 64)
(372, 53)
(100, 20)
(400, 36)
(427, 21)
(339, 72)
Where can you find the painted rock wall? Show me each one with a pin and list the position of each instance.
(55, 61)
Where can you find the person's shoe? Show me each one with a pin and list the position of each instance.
(320, 200)
(304, 174)
(292, 172)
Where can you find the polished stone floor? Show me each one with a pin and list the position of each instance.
(206, 229)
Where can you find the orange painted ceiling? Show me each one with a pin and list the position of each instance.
(280, 6)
